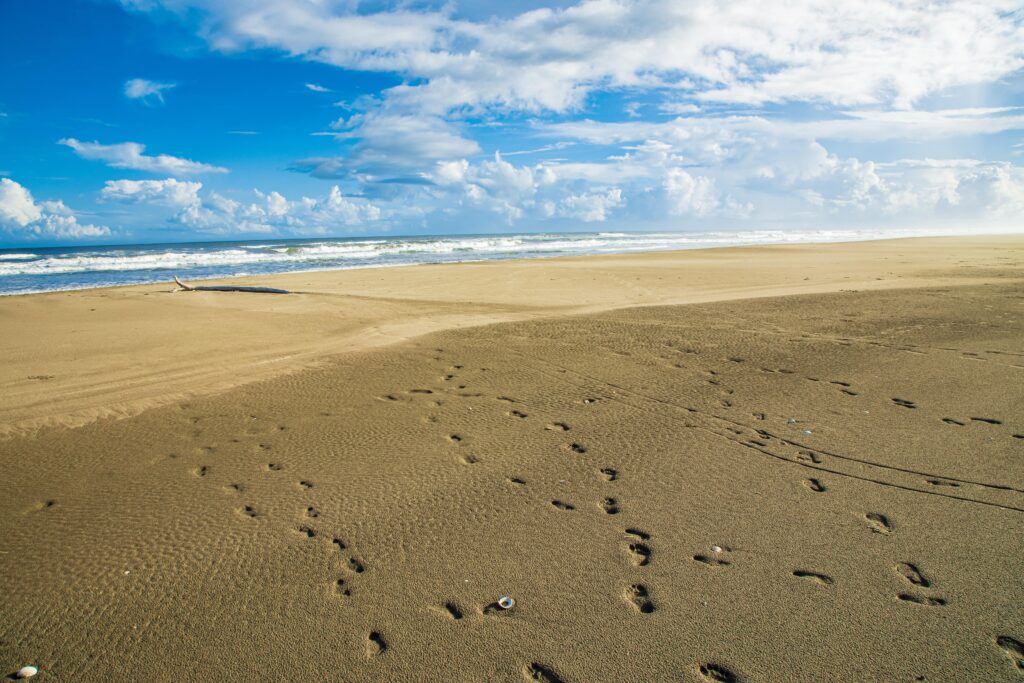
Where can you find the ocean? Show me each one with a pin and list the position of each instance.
(25, 271)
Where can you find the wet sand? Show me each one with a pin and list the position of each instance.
(692, 466)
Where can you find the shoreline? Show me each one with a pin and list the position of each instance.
(77, 356)
(623, 252)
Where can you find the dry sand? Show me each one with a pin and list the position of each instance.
(763, 464)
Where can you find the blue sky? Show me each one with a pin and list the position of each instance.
(149, 120)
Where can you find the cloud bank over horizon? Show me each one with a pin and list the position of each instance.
(601, 114)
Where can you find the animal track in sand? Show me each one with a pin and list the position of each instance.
(312, 512)
(556, 427)
(987, 420)
(234, 488)
(517, 481)
(640, 598)
(356, 565)
(388, 397)
(610, 506)
(274, 467)
(421, 391)
(878, 523)
(577, 448)
(814, 485)
(454, 438)
(305, 484)
(642, 535)
(339, 543)
(561, 505)
(375, 645)
(609, 474)
(249, 511)
(517, 413)
(904, 403)
(469, 459)
(309, 533)
(717, 673)
(453, 610)
(640, 554)
(341, 588)
(712, 561)
(943, 482)
(820, 579)
(921, 600)
(201, 471)
(1014, 649)
(951, 421)
(912, 574)
(541, 673)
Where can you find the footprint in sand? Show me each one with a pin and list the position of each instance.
(452, 610)
(610, 506)
(454, 438)
(820, 579)
(640, 598)
(718, 673)
(808, 456)
(312, 512)
(951, 421)
(577, 448)
(921, 600)
(815, 485)
(375, 645)
(562, 505)
(305, 485)
(249, 511)
(557, 427)
(987, 420)
(470, 459)
(307, 532)
(640, 554)
(878, 523)
(912, 574)
(642, 535)
(339, 543)
(517, 413)
(904, 403)
(356, 565)
(541, 673)
(274, 467)
(1014, 649)
(517, 481)
(712, 561)
(609, 474)
(341, 588)
(201, 471)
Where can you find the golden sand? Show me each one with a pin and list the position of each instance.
(761, 464)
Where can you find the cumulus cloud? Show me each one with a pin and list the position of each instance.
(130, 155)
(145, 90)
(871, 52)
(591, 206)
(22, 216)
(271, 212)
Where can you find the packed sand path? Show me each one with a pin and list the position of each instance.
(693, 466)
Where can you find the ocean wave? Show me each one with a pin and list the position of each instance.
(97, 266)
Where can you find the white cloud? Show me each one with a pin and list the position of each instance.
(272, 212)
(863, 53)
(688, 194)
(145, 90)
(317, 88)
(20, 215)
(591, 206)
(130, 155)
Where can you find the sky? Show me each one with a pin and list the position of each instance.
(144, 121)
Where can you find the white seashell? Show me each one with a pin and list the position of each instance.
(26, 672)
(505, 602)
(716, 548)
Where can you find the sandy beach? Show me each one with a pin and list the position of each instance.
(774, 463)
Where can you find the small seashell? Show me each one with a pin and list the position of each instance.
(716, 548)
(505, 602)
(26, 672)
(808, 432)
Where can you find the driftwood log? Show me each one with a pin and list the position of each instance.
(257, 290)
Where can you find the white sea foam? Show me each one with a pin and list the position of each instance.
(90, 267)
